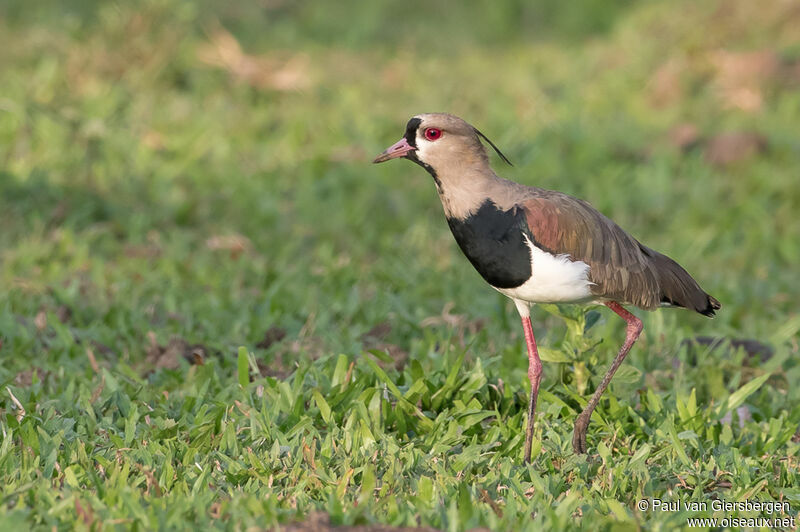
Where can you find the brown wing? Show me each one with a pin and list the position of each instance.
(621, 268)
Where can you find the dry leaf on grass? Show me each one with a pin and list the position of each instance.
(277, 368)
(153, 140)
(740, 77)
(236, 244)
(321, 522)
(272, 336)
(85, 514)
(63, 313)
(25, 378)
(665, 86)
(378, 332)
(375, 339)
(458, 321)
(728, 148)
(145, 251)
(40, 320)
(685, 136)
(261, 72)
(169, 356)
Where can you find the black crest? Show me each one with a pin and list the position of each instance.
(484, 137)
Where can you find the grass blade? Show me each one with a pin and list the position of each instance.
(243, 367)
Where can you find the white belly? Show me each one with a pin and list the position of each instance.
(554, 279)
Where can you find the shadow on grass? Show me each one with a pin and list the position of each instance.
(39, 202)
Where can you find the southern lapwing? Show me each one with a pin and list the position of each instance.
(541, 246)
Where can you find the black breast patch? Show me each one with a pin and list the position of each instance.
(493, 241)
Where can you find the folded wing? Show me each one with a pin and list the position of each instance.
(621, 268)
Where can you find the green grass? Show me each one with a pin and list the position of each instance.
(162, 205)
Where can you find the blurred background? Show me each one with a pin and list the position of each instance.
(184, 181)
(201, 170)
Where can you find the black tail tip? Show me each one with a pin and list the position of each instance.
(712, 306)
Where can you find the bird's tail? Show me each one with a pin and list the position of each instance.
(679, 289)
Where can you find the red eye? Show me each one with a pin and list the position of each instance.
(432, 133)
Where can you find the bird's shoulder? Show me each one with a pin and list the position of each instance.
(563, 224)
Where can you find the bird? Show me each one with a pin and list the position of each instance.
(542, 246)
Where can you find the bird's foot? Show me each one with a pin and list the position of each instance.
(579, 434)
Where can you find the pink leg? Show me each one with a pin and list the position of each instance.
(631, 334)
(534, 376)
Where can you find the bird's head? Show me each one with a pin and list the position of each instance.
(439, 140)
